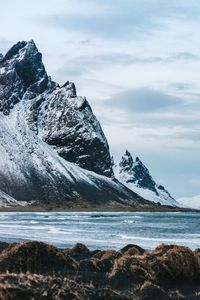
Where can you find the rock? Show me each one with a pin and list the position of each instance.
(132, 250)
(70, 87)
(107, 259)
(22, 70)
(62, 119)
(128, 271)
(150, 291)
(36, 257)
(92, 265)
(176, 295)
(40, 271)
(107, 254)
(35, 287)
(136, 176)
(79, 252)
(174, 263)
(3, 246)
(67, 122)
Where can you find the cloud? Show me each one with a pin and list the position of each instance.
(195, 181)
(5, 44)
(173, 57)
(119, 19)
(181, 86)
(144, 100)
(185, 56)
(79, 65)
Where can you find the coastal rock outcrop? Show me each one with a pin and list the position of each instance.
(35, 270)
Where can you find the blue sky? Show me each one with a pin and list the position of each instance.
(137, 62)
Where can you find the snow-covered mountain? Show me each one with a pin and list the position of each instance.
(8, 201)
(190, 202)
(52, 147)
(136, 177)
(55, 113)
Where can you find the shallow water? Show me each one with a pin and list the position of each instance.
(103, 230)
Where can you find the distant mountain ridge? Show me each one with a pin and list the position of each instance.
(190, 202)
(135, 175)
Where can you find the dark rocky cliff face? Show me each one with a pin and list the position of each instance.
(135, 175)
(138, 172)
(56, 114)
(50, 140)
(21, 71)
(67, 122)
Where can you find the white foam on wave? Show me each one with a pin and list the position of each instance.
(145, 229)
(33, 222)
(129, 221)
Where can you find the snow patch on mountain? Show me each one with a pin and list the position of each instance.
(31, 170)
(8, 201)
(190, 202)
(61, 118)
(135, 175)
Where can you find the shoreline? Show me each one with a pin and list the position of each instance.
(91, 207)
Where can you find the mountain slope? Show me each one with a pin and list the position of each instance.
(62, 119)
(136, 177)
(32, 170)
(8, 201)
(46, 131)
(191, 202)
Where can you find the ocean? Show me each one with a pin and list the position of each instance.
(103, 230)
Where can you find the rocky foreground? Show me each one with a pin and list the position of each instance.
(35, 270)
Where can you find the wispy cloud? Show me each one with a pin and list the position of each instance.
(119, 19)
(144, 100)
(79, 65)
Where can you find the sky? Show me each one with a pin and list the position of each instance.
(138, 64)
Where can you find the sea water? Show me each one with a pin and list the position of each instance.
(102, 230)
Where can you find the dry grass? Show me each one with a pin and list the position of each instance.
(45, 272)
(174, 263)
(36, 257)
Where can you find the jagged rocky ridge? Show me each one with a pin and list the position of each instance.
(136, 176)
(57, 114)
(52, 146)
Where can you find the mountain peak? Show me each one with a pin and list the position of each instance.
(14, 50)
(21, 69)
(70, 88)
(136, 176)
(138, 172)
(21, 47)
(126, 161)
(127, 153)
(63, 120)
